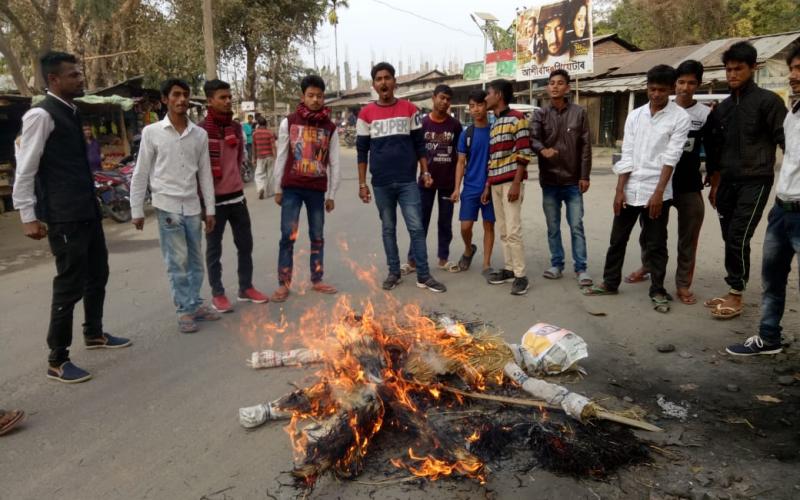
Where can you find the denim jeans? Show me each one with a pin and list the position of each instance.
(405, 194)
(293, 200)
(781, 245)
(444, 224)
(552, 197)
(181, 239)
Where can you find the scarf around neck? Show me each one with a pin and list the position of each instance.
(306, 114)
(221, 129)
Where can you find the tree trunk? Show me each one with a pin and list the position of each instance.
(250, 58)
(14, 66)
(336, 51)
(208, 41)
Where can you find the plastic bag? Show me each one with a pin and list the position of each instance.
(549, 349)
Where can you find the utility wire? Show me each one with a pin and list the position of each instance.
(427, 19)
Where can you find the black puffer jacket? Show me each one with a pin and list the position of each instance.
(745, 129)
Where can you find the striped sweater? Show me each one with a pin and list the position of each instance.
(509, 147)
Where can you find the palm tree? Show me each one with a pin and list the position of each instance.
(333, 19)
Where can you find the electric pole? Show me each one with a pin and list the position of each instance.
(208, 41)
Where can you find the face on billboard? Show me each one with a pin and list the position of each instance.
(554, 36)
(579, 22)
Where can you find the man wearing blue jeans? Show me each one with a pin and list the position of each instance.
(560, 138)
(389, 135)
(306, 172)
(173, 161)
(782, 241)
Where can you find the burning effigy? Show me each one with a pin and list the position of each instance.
(389, 372)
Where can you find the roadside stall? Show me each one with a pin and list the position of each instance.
(12, 107)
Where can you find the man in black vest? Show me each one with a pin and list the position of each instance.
(54, 186)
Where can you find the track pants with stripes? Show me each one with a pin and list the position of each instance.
(740, 205)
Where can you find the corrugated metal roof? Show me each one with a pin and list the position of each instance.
(620, 84)
(649, 58)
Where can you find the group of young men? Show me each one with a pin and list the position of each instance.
(192, 172)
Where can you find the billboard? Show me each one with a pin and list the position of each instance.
(500, 65)
(552, 35)
(473, 71)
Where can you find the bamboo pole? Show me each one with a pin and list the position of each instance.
(533, 403)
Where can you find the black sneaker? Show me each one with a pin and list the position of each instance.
(68, 373)
(107, 341)
(520, 286)
(391, 281)
(500, 277)
(432, 285)
(752, 347)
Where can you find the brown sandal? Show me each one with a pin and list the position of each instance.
(9, 419)
(726, 312)
(280, 295)
(713, 303)
(637, 277)
(689, 298)
(323, 288)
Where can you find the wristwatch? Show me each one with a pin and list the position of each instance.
(426, 174)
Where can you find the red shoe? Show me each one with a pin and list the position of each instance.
(252, 295)
(221, 304)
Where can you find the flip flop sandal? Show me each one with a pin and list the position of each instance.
(713, 303)
(660, 304)
(407, 269)
(585, 281)
(688, 299)
(324, 288)
(446, 266)
(725, 312)
(553, 273)
(9, 419)
(598, 290)
(637, 278)
(464, 262)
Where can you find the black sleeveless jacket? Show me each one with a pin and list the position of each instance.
(64, 182)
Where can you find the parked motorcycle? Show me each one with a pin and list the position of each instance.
(112, 189)
(246, 171)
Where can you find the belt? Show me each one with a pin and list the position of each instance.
(788, 206)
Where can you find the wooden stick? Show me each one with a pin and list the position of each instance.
(601, 414)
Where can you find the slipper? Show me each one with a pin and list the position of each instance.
(598, 290)
(446, 266)
(688, 299)
(9, 419)
(464, 262)
(324, 288)
(635, 277)
(553, 273)
(713, 303)
(725, 312)
(660, 303)
(407, 269)
(280, 295)
(584, 279)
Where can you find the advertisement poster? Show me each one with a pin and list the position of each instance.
(552, 35)
(500, 65)
(473, 71)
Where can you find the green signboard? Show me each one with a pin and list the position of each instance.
(473, 71)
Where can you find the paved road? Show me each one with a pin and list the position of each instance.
(159, 420)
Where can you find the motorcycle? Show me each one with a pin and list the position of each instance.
(112, 189)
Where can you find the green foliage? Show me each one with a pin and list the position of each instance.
(669, 23)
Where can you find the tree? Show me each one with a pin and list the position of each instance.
(333, 19)
(26, 32)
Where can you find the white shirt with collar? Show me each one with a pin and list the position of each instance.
(172, 164)
(651, 142)
(788, 188)
(37, 125)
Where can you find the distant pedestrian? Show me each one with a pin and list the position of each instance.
(472, 170)
(389, 136)
(306, 173)
(746, 128)
(249, 127)
(226, 149)
(54, 193)
(93, 153)
(687, 183)
(173, 162)
(441, 132)
(509, 155)
(560, 138)
(655, 135)
(264, 147)
(782, 239)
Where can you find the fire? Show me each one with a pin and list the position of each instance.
(434, 468)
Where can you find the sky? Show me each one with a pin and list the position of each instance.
(376, 30)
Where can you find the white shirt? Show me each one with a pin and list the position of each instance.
(172, 164)
(650, 143)
(788, 188)
(37, 125)
(283, 153)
